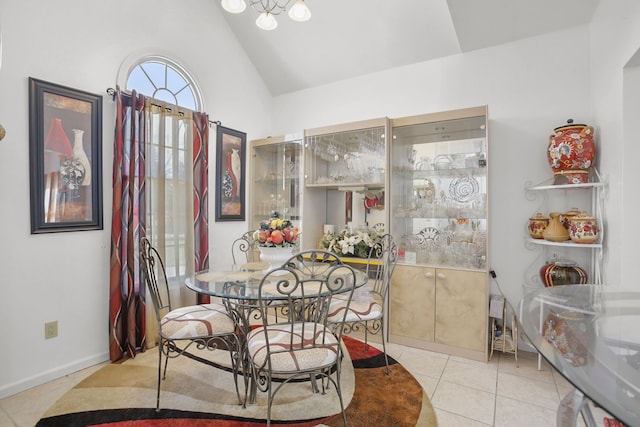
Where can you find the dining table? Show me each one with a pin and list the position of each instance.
(590, 335)
(237, 286)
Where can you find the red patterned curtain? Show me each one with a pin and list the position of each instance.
(201, 194)
(126, 290)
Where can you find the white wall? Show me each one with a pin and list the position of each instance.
(65, 276)
(615, 90)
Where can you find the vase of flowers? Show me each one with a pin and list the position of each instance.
(351, 243)
(276, 237)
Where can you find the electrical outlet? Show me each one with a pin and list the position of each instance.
(51, 329)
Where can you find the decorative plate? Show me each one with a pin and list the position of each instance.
(463, 189)
(428, 235)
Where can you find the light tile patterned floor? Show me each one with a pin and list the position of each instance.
(464, 393)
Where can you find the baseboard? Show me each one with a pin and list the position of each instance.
(59, 372)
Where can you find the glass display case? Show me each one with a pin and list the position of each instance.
(439, 189)
(276, 177)
(352, 154)
(439, 217)
(345, 178)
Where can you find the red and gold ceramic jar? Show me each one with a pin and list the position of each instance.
(562, 272)
(571, 153)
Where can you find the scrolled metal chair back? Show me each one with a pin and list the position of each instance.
(242, 247)
(155, 277)
(383, 257)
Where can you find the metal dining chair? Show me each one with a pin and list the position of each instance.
(302, 345)
(366, 310)
(205, 326)
(242, 247)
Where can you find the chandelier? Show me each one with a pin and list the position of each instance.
(268, 9)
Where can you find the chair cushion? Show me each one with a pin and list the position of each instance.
(364, 306)
(294, 358)
(196, 321)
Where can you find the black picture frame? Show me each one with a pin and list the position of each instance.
(230, 174)
(65, 158)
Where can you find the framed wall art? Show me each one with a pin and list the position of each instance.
(230, 174)
(65, 152)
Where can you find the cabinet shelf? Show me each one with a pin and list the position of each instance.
(439, 173)
(567, 244)
(350, 186)
(596, 182)
(565, 186)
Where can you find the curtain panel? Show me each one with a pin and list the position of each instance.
(161, 192)
(201, 194)
(127, 309)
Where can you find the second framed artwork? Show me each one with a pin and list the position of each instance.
(230, 174)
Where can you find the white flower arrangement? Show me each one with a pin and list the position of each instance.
(357, 243)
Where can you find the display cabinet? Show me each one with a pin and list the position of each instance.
(439, 217)
(345, 177)
(276, 179)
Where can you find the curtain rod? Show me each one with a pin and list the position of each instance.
(111, 91)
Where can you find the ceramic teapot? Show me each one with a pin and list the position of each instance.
(571, 153)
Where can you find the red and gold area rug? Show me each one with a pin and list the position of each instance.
(198, 395)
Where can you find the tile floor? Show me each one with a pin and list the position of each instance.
(464, 393)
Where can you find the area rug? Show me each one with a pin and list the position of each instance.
(201, 395)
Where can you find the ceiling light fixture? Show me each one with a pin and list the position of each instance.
(268, 9)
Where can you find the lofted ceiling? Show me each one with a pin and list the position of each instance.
(350, 38)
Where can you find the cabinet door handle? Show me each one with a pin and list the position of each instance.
(429, 275)
(442, 276)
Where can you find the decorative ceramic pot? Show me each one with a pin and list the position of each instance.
(555, 231)
(566, 216)
(537, 224)
(555, 273)
(276, 256)
(584, 229)
(571, 153)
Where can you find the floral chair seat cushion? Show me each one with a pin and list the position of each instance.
(196, 321)
(287, 358)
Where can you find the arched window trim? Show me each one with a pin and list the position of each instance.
(130, 64)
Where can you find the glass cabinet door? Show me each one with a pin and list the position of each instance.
(439, 188)
(353, 154)
(276, 167)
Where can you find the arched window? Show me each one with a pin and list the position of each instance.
(165, 80)
(174, 96)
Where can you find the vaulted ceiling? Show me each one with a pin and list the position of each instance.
(350, 38)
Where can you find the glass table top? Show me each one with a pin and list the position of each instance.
(243, 283)
(591, 335)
